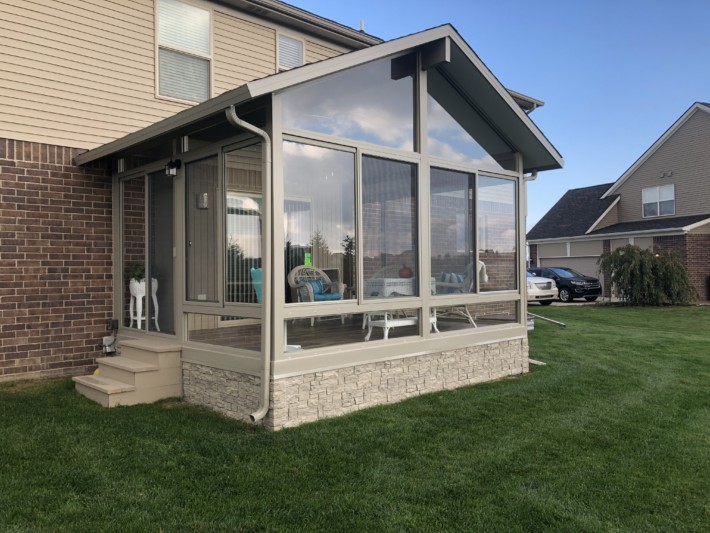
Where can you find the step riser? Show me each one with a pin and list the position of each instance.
(155, 378)
(161, 359)
(130, 398)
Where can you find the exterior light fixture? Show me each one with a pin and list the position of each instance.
(172, 167)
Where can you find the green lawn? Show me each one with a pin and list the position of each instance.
(612, 435)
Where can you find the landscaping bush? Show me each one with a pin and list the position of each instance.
(646, 278)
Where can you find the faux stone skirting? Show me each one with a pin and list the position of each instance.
(309, 397)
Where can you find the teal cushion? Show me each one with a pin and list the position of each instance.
(321, 297)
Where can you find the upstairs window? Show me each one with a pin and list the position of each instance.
(184, 51)
(658, 201)
(290, 53)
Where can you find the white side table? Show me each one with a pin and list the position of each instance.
(137, 290)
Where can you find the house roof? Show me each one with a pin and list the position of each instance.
(663, 224)
(574, 214)
(460, 64)
(696, 107)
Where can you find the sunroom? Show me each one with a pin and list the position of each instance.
(345, 234)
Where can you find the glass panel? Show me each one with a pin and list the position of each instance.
(319, 223)
(243, 178)
(389, 219)
(373, 103)
(201, 215)
(497, 233)
(336, 330)
(667, 207)
(134, 252)
(232, 332)
(452, 223)
(650, 210)
(161, 231)
(470, 316)
(184, 26)
(457, 132)
(184, 76)
(665, 193)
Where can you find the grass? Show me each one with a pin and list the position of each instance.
(613, 434)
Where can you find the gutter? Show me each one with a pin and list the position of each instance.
(264, 398)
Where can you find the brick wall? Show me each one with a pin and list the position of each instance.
(55, 261)
(694, 252)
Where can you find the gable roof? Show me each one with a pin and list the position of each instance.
(573, 214)
(462, 66)
(696, 107)
(661, 224)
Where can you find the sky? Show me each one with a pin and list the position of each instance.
(614, 74)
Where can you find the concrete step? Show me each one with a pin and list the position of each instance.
(138, 373)
(101, 389)
(156, 352)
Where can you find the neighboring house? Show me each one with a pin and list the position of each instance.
(234, 150)
(661, 203)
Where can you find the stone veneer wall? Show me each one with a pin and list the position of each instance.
(309, 397)
(55, 261)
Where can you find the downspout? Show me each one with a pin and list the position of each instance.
(234, 120)
(531, 177)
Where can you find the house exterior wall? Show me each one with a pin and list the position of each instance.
(556, 249)
(586, 248)
(313, 396)
(694, 251)
(55, 261)
(611, 218)
(684, 153)
(81, 73)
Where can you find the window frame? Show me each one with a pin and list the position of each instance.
(191, 53)
(658, 201)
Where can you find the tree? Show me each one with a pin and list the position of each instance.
(646, 278)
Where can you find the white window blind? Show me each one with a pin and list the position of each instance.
(290, 52)
(184, 36)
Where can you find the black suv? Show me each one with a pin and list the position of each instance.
(570, 283)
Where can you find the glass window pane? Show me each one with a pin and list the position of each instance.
(201, 189)
(452, 222)
(134, 252)
(649, 195)
(458, 317)
(319, 222)
(667, 207)
(666, 192)
(160, 216)
(373, 103)
(389, 218)
(290, 52)
(650, 210)
(243, 182)
(497, 233)
(230, 331)
(184, 76)
(184, 26)
(457, 132)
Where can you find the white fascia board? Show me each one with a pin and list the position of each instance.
(605, 213)
(655, 146)
(696, 225)
(603, 236)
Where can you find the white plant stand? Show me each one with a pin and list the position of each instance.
(137, 290)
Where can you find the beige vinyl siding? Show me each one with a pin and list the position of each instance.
(702, 230)
(618, 243)
(78, 73)
(686, 154)
(611, 218)
(318, 52)
(556, 249)
(243, 51)
(645, 243)
(582, 248)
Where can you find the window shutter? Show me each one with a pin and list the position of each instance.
(184, 27)
(184, 76)
(290, 52)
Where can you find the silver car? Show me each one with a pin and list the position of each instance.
(543, 290)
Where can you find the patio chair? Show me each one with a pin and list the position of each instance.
(461, 284)
(311, 284)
